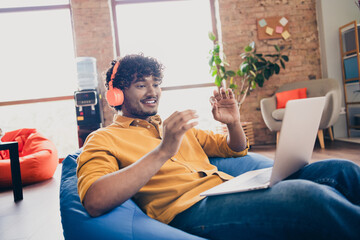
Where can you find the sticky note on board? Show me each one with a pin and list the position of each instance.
(279, 29)
(269, 30)
(283, 21)
(285, 35)
(262, 23)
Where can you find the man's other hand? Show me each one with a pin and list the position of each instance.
(224, 106)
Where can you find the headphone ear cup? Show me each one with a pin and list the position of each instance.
(115, 97)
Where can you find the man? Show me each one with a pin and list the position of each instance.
(164, 167)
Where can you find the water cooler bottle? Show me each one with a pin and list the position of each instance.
(87, 98)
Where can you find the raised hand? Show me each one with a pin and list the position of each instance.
(224, 107)
(174, 128)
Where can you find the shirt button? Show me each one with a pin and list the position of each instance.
(137, 121)
(148, 126)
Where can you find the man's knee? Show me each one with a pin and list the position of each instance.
(336, 165)
(303, 195)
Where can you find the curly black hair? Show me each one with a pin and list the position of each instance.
(133, 67)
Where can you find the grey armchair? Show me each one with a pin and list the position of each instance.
(315, 88)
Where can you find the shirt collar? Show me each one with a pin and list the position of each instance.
(155, 120)
(125, 122)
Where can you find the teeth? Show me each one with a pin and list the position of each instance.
(153, 101)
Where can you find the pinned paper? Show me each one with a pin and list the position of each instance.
(262, 23)
(269, 30)
(283, 21)
(273, 27)
(285, 35)
(279, 29)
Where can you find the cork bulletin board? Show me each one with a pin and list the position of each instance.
(273, 27)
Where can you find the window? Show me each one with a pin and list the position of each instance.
(37, 61)
(176, 33)
(37, 54)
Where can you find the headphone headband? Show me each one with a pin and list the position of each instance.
(115, 68)
(114, 96)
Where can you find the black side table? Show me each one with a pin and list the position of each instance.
(15, 168)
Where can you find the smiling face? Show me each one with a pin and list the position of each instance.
(141, 99)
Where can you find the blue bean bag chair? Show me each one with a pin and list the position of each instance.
(128, 221)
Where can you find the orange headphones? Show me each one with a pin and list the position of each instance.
(114, 96)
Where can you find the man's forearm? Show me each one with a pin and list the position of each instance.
(236, 138)
(113, 189)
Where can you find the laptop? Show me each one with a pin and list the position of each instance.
(296, 143)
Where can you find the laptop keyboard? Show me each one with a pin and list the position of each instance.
(252, 180)
(262, 177)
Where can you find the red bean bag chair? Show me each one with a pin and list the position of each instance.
(38, 157)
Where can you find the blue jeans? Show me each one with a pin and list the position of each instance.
(320, 201)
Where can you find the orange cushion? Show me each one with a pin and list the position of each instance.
(38, 157)
(283, 97)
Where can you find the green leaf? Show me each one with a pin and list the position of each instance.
(282, 63)
(244, 67)
(222, 68)
(248, 49)
(212, 36)
(252, 73)
(233, 86)
(211, 61)
(260, 65)
(253, 84)
(267, 73)
(239, 73)
(277, 48)
(214, 72)
(260, 80)
(262, 59)
(277, 68)
(272, 70)
(230, 73)
(254, 66)
(217, 48)
(217, 60)
(218, 81)
(286, 58)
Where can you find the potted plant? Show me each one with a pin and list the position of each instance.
(252, 72)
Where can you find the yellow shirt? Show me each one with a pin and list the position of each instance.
(178, 183)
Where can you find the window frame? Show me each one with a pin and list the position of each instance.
(30, 9)
(35, 8)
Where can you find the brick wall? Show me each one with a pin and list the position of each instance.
(93, 37)
(238, 25)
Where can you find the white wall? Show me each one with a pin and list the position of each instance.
(332, 14)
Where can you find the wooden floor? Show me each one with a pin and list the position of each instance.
(37, 216)
(335, 149)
